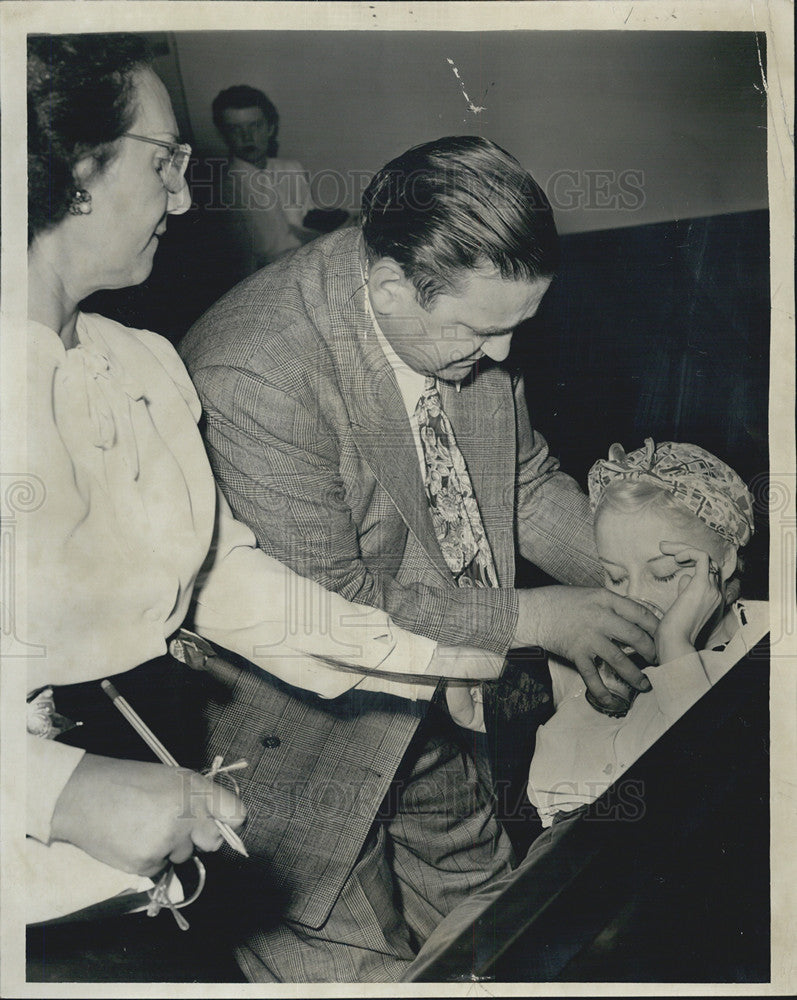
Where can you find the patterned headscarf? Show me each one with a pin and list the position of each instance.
(707, 487)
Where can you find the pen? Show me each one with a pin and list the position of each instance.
(164, 756)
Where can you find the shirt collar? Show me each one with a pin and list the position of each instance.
(411, 383)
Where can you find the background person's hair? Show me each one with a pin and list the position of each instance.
(240, 97)
(632, 496)
(79, 104)
(455, 204)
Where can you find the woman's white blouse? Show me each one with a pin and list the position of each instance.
(579, 752)
(132, 531)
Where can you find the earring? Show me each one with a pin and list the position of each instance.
(81, 202)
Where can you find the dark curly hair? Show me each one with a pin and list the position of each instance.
(79, 103)
(241, 96)
(454, 204)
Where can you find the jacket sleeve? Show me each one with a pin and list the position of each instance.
(248, 602)
(279, 466)
(553, 514)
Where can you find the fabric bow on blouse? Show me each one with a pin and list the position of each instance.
(128, 512)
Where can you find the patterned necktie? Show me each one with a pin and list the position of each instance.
(455, 512)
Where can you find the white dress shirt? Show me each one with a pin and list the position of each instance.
(411, 383)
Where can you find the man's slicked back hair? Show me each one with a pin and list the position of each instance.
(454, 205)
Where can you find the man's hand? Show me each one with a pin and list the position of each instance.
(466, 706)
(137, 817)
(581, 624)
(698, 598)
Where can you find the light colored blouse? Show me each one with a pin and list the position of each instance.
(133, 534)
(266, 207)
(580, 752)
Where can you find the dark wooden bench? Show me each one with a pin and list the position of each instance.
(665, 878)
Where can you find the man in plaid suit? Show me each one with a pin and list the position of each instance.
(374, 813)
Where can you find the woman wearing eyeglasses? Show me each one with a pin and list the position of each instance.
(121, 531)
(131, 534)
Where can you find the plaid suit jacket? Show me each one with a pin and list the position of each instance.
(310, 442)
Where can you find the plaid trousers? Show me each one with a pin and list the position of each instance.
(419, 862)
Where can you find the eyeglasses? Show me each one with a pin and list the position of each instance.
(172, 169)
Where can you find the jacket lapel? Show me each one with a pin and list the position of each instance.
(379, 421)
(482, 416)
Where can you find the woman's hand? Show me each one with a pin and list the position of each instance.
(137, 816)
(699, 595)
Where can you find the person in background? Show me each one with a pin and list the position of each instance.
(132, 536)
(268, 198)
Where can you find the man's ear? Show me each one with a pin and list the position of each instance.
(387, 286)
